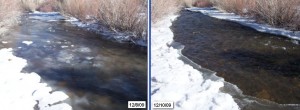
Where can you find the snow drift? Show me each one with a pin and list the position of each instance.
(24, 91)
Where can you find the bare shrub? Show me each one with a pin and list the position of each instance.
(80, 8)
(48, 6)
(118, 15)
(9, 9)
(282, 13)
(236, 6)
(31, 5)
(277, 12)
(124, 15)
(161, 8)
(202, 3)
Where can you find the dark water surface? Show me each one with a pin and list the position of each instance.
(97, 74)
(262, 65)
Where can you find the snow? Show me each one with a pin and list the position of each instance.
(247, 22)
(4, 42)
(22, 91)
(173, 80)
(27, 42)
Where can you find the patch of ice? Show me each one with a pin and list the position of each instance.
(84, 50)
(27, 42)
(65, 56)
(89, 58)
(247, 22)
(20, 91)
(64, 46)
(47, 16)
(173, 80)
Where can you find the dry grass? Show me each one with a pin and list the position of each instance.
(8, 10)
(197, 3)
(278, 12)
(118, 15)
(282, 13)
(236, 6)
(48, 6)
(161, 8)
(203, 3)
(31, 5)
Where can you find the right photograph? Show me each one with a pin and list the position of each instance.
(225, 54)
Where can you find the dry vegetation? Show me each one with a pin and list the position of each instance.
(118, 15)
(8, 12)
(161, 8)
(31, 5)
(282, 13)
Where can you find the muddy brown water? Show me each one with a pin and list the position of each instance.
(96, 73)
(264, 66)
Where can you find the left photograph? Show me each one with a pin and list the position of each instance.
(73, 54)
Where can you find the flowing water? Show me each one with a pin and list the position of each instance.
(97, 74)
(262, 65)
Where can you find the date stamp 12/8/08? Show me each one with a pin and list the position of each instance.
(136, 104)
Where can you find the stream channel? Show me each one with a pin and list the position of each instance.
(96, 73)
(265, 67)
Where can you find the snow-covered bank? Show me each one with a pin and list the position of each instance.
(23, 91)
(173, 80)
(91, 25)
(213, 12)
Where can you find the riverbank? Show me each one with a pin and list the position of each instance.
(173, 80)
(93, 26)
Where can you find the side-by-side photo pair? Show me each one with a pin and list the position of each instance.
(150, 54)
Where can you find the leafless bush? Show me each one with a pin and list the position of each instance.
(31, 5)
(80, 8)
(236, 6)
(282, 13)
(48, 6)
(161, 8)
(118, 15)
(277, 12)
(202, 3)
(9, 9)
(124, 15)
